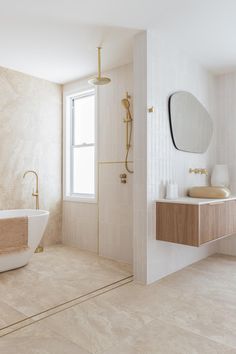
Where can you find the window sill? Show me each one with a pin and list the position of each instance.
(76, 199)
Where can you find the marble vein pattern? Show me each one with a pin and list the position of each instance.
(30, 139)
(177, 315)
(38, 339)
(59, 274)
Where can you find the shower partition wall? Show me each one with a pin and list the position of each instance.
(107, 227)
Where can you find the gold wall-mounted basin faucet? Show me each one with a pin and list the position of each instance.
(36, 192)
(201, 171)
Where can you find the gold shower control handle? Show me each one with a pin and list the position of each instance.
(123, 178)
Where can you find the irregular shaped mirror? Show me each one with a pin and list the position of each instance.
(191, 124)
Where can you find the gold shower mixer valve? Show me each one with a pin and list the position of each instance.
(123, 178)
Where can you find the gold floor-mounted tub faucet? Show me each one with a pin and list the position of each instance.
(36, 192)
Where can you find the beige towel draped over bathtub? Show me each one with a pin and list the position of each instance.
(13, 234)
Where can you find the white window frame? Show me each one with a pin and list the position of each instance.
(68, 195)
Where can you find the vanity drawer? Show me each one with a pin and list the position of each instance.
(194, 225)
(217, 219)
(178, 223)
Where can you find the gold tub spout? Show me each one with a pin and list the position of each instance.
(36, 192)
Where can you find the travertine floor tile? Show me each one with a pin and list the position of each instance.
(220, 265)
(204, 316)
(191, 282)
(95, 325)
(38, 339)
(9, 315)
(190, 312)
(55, 276)
(146, 302)
(159, 337)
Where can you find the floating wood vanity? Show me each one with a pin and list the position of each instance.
(193, 222)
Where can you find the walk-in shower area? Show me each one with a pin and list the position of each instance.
(68, 199)
(101, 220)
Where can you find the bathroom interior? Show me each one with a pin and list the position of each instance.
(67, 178)
(118, 167)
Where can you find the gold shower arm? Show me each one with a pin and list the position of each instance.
(99, 62)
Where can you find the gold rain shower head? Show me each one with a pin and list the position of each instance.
(99, 80)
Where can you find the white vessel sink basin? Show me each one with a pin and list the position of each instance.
(209, 192)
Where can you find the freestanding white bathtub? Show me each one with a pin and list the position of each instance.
(37, 222)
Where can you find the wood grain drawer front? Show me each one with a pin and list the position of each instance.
(232, 211)
(178, 223)
(217, 220)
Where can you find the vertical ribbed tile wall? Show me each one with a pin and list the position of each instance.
(170, 71)
(106, 227)
(30, 138)
(226, 142)
(80, 225)
(115, 198)
(140, 158)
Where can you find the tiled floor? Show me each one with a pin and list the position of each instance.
(53, 277)
(190, 312)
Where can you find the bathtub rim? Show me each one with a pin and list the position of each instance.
(30, 213)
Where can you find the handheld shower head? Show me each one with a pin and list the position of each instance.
(126, 103)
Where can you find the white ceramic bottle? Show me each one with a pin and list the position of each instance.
(220, 176)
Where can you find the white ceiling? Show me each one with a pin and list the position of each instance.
(57, 39)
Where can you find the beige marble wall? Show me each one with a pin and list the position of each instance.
(30, 138)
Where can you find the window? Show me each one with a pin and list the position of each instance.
(80, 157)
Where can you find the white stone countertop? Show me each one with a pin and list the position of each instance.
(195, 201)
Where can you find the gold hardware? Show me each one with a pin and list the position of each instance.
(202, 171)
(99, 80)
(123, 178)
(151, 109)
(39, 249)
(129, 126)
(36, 193)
